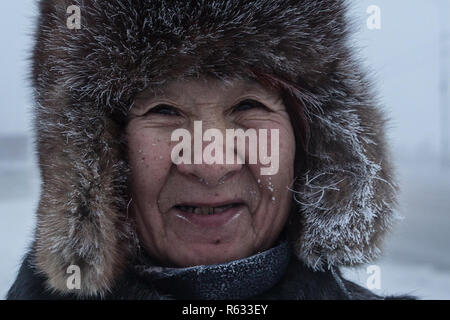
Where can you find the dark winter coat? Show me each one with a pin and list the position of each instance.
(85, 81)
(297, 283)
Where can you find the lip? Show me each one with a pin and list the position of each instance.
(210, 204)
(211, 221)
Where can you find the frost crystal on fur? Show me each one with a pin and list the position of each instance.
(85, 81)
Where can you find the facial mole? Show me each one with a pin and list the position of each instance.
(217, 241)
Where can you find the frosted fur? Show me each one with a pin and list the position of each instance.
(85, 81)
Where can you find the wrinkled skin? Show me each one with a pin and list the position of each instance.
(157, 185)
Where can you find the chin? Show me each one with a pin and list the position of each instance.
(209, 253)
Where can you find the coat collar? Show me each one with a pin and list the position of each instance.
(238, 279)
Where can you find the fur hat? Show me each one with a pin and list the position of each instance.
(85, 80)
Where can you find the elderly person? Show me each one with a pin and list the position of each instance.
(133, 219)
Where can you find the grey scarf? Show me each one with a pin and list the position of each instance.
(238, 279)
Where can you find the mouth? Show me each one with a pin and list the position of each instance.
(209, 215)
(206, 210)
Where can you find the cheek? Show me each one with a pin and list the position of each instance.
(281, 156)
(287, 149)
(149, 156)
(275, 200)
(274, 188)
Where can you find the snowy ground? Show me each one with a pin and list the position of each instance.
(417, 255)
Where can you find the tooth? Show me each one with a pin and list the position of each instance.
(205, 210)
(222, 208)
(201, 210)
(189, 209)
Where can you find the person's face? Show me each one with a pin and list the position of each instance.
(196, 214)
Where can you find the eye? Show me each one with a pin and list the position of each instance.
(164, 109)
(249, 104)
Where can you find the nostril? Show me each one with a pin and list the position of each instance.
(209, 174)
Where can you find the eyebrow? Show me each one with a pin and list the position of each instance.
(160, 91)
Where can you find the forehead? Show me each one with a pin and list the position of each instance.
(208, 90)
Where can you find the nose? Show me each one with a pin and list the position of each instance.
(209, 174)
(210, 171)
